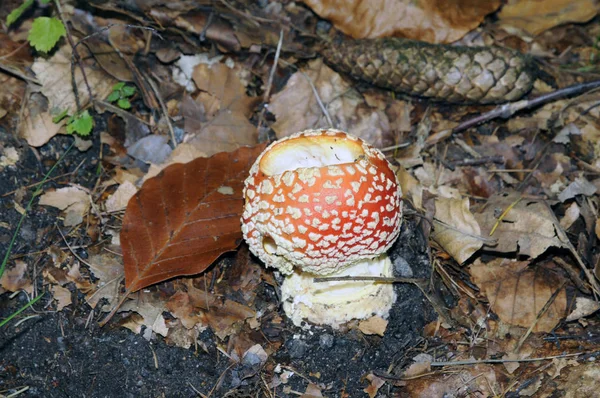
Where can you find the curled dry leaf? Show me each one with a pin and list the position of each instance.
(535, 17)
(73, 200)
(527, 228)
(180, 221)
(434, 21)
(517, 292)
(480, 378)
(55, 75)
(456, 229)
(296, 107)
(14, 278)
(219, 116)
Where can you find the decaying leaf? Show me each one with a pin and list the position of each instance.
(375, 383)
(527, 227)
(182, 219)
(535, 17)
(37, 126)
(583, 307)
(108, 269)
(118, 200)
(151, 308)
(297, 108)
(373, 325)
(55, 75)
(456, 229)
(219, 116)
(73, 200)
(14, 278)
(464, 381)
(62, 296)
(434, 21)
(517, 292)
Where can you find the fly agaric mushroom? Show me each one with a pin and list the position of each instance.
(322, 202)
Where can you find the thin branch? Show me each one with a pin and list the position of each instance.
(381, 279)
(479, 361)
(507, 110)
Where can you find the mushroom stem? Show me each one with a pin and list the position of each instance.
(336, 302)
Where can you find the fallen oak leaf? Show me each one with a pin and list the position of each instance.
(180, 221)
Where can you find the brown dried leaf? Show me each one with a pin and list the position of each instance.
(517, 292)
(151, 308)
(108, 269)
(456, 229)
(297, 109)
(373, 325)
(184, 218)
(219, 115)
(434, 21)
(37, 126)
(73, 200)
(55, 75)
(375, 383)
(527, 228)
(14, 278)
(480, 378)
(62, 296)
(537, 16)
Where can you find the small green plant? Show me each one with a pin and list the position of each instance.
(80, 123)
(45, 32)
(121, 94)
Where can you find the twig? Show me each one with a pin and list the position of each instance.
(19, 74)
(382, 279)
(479, 161)
(267, 94)
(315, 92)
(479, 361)
(254, 19)
(540, 314)
(394, 147)
(507, 110)
(119, 111)
(165, 111)
(74, 56)
(274, 68)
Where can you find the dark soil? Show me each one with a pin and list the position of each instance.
(55, 354)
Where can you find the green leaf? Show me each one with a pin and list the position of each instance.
(45, 1)
(118, 86)
(124, 103)
(60, 116)
(128, 91)
(81, 124)
(112, 97)
(17, 12)
(45, 33)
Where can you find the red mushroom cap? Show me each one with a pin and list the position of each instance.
(320, 200)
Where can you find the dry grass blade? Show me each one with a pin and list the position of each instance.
(184, 218)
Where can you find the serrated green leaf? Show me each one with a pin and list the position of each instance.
(17, 12)
(81, 124)
(45, 33)
(60, 116)
(112, 97)
(124, 103)
(118, 86)
(128, 91)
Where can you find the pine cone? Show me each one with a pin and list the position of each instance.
(456, 74)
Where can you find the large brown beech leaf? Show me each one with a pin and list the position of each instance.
(185, 217)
